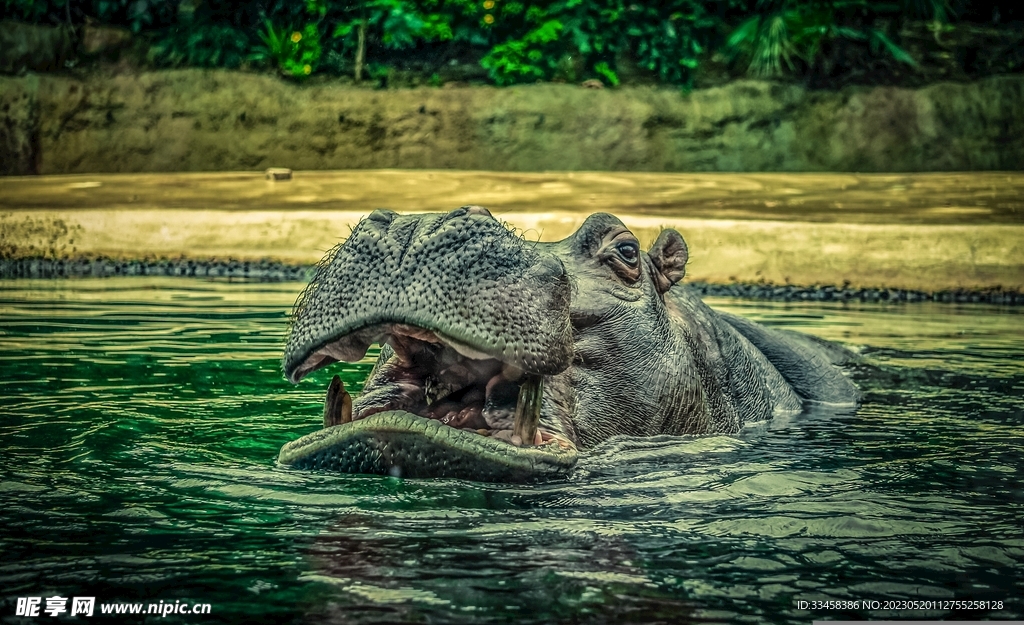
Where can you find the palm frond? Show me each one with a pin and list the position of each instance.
(879, 39)
(774, 47)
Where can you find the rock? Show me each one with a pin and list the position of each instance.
(99, 39)
(593, 83)
(278, 173)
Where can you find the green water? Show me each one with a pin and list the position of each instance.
(141, 419)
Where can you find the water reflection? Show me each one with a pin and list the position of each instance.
(141, 419)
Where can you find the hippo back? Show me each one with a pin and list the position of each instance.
(810, 365)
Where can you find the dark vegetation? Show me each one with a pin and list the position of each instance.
(678, 42)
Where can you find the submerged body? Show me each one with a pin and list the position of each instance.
(501, 357)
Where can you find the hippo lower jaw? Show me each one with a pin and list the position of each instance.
(402, 444)
(441, 408)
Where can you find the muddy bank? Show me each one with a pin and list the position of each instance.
(204, 120)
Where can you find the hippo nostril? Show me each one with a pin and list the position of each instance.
(477, 210)
(464, 211)
(383, 216)
(548, 269)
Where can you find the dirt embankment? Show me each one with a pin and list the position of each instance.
(196, 120)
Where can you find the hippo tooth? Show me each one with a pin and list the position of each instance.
(338, 405)
(346, 406)
(528, 408)
(332, 407)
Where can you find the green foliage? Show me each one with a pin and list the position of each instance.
(295, 52)
(397, 23)
(665, 40)
(201, 45)
(517, 40)
(378, 71)
(316, 8)
(524, 59)
(607, 73)
(800, 32)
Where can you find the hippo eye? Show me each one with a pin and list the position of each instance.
(628, 251)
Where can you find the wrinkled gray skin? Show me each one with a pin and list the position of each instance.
(464, 303)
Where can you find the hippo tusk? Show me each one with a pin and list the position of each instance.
(338, 405)
(528, 409)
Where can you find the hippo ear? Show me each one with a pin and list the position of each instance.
(669, 255)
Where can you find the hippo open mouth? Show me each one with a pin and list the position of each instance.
(470, 321)
(437, 408)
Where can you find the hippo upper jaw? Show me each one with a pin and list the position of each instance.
(462, 276)
(352, 347)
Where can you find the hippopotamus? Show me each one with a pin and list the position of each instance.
(502, 359)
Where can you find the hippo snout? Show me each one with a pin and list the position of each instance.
(463, 276)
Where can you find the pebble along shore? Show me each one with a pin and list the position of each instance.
(268, 271)
(257, 271)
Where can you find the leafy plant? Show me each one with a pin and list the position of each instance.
(296, 53)
(607, 73)
(524, 59)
